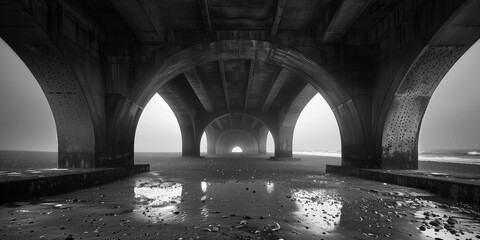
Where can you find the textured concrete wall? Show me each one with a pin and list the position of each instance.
(414, 56)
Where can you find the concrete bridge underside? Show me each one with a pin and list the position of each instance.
(238, 69)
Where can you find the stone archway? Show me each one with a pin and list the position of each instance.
(127, 110)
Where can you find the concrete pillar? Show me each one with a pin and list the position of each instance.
(283, 142)
(190, 140)
(262, 135)
(401, 126)
(190, 144)
(211, 140)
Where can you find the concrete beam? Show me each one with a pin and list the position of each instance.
(278, 16)
(231, 120)
(144, 18)
(243, 120)
(220, 125)
(346, 14)
(224, 83)
(255, 121)
(280, 79)
(196, 83)
(205, 16)
(249, 84)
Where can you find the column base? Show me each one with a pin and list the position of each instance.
(285, 159)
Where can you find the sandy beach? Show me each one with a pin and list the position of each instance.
(240, 198)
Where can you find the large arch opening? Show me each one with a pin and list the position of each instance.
(28, 132)
(157, 131)
(270, 143)
(204, 143)
(316, 130)
(450, 130)
(225, 50)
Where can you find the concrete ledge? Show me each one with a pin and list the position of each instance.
(285, 159)
(450, 188)
(71, 179)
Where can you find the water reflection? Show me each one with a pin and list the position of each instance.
(157, 200)
(229, 202)
(204, 186)
(270, 186)
(317, 209)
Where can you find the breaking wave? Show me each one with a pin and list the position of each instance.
(474, 153)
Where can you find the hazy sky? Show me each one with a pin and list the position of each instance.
(26, 122)
(452, 119)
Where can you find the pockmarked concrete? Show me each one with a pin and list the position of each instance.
(240, 198)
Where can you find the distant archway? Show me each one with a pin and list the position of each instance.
(204, 143)
(237, 149)
(270, 143)
(236, 138)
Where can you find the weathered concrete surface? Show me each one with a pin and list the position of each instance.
(20, 185)
(460, 190)
(286, 159)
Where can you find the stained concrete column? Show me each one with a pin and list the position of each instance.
(190, 143)
(190, 138)
(262, 135)
(211, 140)
(283, 142)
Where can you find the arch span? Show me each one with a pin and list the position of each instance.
(406, 103)
(126, 115)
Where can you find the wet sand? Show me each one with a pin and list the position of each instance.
(240, 198)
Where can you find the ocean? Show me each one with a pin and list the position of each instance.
(464, 156)
(41, 160)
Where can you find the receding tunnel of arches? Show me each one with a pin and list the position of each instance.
(269, 145)
(285, 73)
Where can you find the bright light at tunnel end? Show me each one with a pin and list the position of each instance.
(236, 150)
